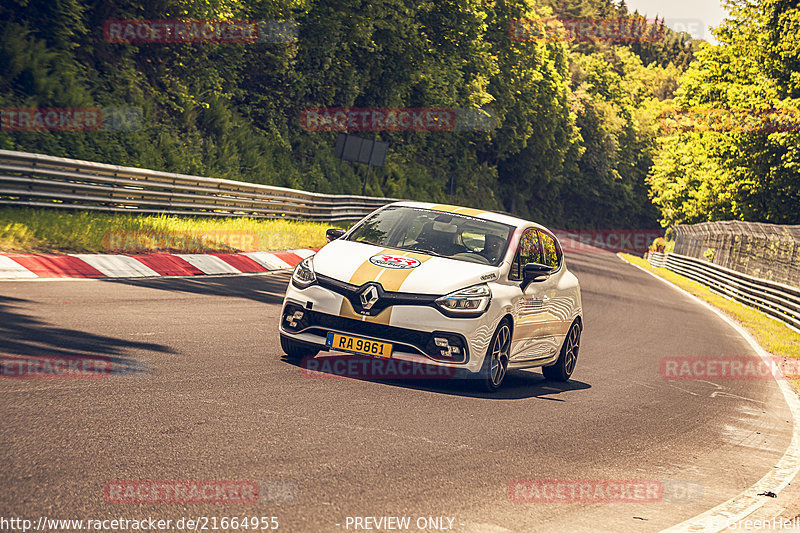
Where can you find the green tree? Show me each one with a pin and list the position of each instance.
(741, 174)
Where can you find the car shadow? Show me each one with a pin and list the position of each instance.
(518, 384)
(24, 338)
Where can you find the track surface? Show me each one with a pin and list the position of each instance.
(205, 395)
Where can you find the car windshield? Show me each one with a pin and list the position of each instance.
(437, 233)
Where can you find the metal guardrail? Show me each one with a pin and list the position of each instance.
(38, 180)
(775, 299)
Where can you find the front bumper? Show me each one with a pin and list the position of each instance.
(411, 329)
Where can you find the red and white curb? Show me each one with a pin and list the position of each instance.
(36, 266)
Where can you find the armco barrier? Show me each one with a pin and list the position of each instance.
(38, 180)
(657, 259)
(775, 299)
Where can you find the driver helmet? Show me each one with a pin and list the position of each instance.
(492, 247)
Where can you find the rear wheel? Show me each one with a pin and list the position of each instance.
(295, 350)
(495, 364)
(565, 365)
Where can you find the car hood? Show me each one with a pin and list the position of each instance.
(398, 270)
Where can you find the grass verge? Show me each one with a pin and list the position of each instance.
(775, 337)
(49, 231)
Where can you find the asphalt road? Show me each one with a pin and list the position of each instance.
(199, 392)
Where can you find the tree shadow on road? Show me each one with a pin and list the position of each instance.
(267, 289)
(27, 338)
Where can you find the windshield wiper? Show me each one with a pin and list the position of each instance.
(424, 251)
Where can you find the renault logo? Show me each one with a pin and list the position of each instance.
(368, 297)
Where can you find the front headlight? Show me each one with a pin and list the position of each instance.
(470, 301)
(303, 275)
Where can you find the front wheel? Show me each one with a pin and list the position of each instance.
(495, 364)
(565, 365)
(295, 350)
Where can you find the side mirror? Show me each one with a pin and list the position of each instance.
(533, 272)
(334, 233)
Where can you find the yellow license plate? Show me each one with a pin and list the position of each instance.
(357, 345)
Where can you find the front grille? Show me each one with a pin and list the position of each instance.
(401, 338)
(385, 298)
(358, 327)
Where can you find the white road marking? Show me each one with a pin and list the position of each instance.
(684, 390)
(739, 507)
(365, 429)
(729, 395)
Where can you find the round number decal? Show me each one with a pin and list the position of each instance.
(393, 261)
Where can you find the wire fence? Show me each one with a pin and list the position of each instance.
(766, 251)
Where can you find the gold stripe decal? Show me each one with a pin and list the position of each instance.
(391, 279)
(367, 271)
(347, 311)
(468, 211)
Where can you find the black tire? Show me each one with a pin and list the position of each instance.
(495, 363)
(565, 364)
(296, 350)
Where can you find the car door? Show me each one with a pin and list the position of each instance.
(534, 328)
(558, 304)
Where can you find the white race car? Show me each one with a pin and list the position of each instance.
(475, 291)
